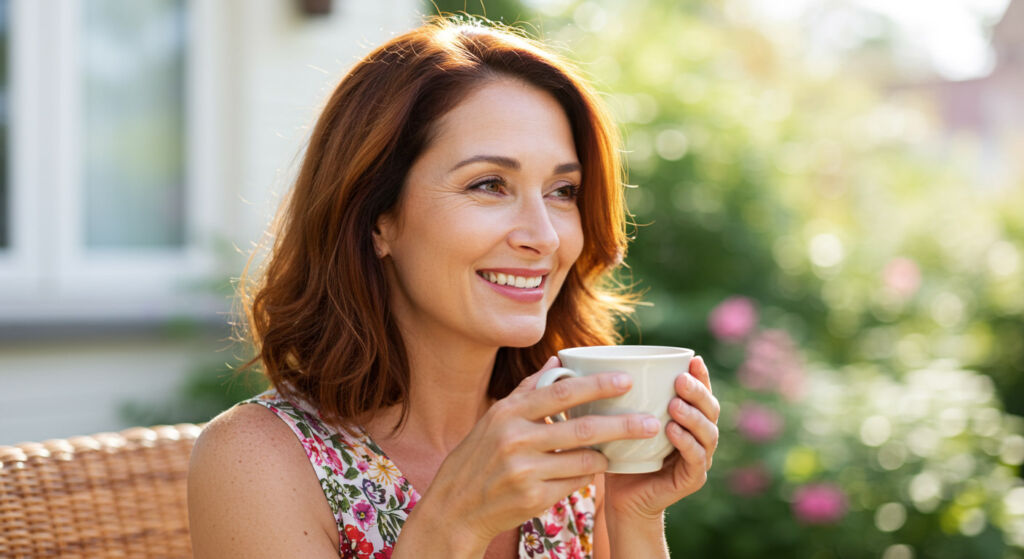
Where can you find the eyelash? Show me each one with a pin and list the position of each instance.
(573, 194)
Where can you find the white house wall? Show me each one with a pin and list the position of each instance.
(264, 71)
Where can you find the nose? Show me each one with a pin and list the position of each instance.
(534, 230)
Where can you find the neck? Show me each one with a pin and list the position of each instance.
(447, 392)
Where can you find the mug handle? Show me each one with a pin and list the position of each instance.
(552, 376)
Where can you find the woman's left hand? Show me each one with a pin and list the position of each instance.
(694, 432)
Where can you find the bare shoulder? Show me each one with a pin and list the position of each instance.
(252, 492)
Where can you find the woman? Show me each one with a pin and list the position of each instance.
(454, 223)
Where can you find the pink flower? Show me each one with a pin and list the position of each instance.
(364, 513)
(320, 453)
(551, 529)
(733, 319)
(773, 364)
(821, 503)
(584, 521)
(362, 466)
(902, 277)
(758, 423)
(559, 510)
(399, 493)
(749, 481)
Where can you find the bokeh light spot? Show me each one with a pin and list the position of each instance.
(1014, 501)
(1003, 259)
(875, 430)
(671, 144)
(826, 250)
(926, 491)
(972, 522)
(898, 551)
(890, 517)
(892, 455)
(1012, 451)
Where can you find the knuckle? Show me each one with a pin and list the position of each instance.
(684, 412)
(588, 462)
(561, 392)
(533, 498)
(593, 462)
(584, 429)
(512, 441)
(503, 408)
(517, 475)
(632, 425)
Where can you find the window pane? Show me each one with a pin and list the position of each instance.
(5, 222)
(133, 82)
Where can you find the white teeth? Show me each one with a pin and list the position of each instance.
(522, 282)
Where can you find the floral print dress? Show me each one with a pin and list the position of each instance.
(371, 498)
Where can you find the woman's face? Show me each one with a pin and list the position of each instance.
(487, 227)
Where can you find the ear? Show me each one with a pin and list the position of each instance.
(384, 232)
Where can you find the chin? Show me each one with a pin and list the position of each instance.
(525, 336)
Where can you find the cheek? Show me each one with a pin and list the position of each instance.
(571, 238)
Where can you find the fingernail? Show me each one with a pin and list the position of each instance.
(652, 425)
(621, 381)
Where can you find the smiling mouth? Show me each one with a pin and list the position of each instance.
(521, 282)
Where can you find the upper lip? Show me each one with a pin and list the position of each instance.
(524, 272)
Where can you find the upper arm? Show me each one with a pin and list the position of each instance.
(602, 547)
(253, 493)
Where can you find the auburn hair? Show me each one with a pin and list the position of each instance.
(317, 309)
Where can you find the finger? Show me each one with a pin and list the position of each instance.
(694, 456)
(570, 464)
(594, 429)
(693, 391)
(558, 489)
(699, 370)
(570, 392)
(530, 382)
(694, 421)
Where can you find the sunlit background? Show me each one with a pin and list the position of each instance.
(829, 199)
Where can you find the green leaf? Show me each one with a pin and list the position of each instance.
(538, 525)
(351, 473)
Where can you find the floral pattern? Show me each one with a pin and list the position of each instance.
(371, 499)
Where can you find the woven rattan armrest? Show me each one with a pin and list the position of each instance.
(107, 495)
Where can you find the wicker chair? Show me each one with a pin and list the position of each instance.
(108, 495)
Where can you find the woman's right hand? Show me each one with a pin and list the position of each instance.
(513, 465)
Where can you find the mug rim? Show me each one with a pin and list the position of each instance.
(665, 352)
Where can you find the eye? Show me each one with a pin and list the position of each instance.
(566, 192)
(490, 185)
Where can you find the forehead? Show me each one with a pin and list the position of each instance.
(503, 110)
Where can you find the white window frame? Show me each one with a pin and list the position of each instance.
(48, 275)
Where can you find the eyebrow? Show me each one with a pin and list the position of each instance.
(510, 163)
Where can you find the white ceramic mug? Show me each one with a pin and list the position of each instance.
(654, 370)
